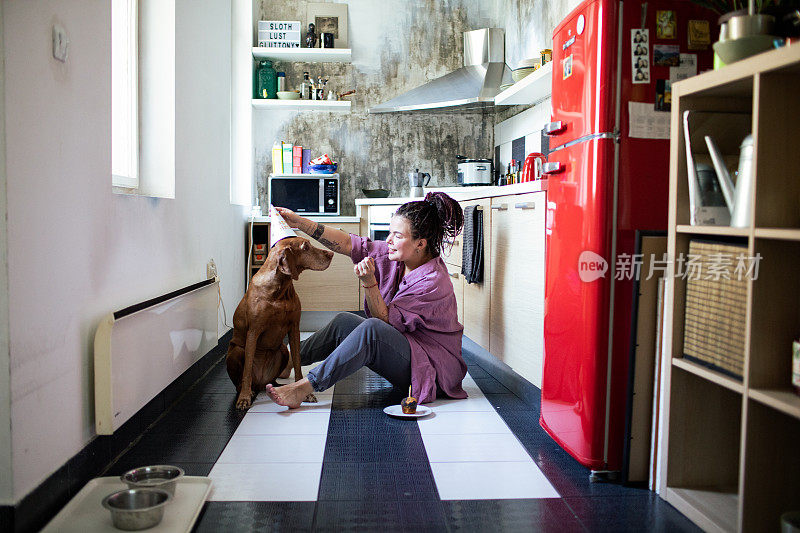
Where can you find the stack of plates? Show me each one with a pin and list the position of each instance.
(525, 67)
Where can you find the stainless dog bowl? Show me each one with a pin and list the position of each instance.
(163, 477)
(135, 509)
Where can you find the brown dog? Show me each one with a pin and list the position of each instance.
(269, 310)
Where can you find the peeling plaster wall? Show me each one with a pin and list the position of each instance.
(397, 45)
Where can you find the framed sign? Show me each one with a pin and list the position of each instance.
(329, 18)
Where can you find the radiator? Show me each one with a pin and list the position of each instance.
(140, 350)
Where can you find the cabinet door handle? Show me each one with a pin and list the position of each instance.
(500, 207)
(453, 274)
(525, 205)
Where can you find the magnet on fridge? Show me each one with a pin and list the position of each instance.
(666, 25)
(567, 65)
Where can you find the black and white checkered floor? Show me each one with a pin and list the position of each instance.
(481, 464)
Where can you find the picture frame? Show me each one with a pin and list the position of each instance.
(329, 18)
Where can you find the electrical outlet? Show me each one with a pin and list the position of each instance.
(211, 269)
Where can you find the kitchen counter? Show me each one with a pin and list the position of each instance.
(318, 218)
(464, 193)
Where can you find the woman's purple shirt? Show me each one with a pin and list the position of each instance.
(422, 306)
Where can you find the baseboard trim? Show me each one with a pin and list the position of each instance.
(524, 389)
(36, 509)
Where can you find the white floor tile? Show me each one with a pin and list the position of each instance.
(258, 449)
(489, 481)
(285, 423)
(263, 404)
(478, 447)
(265, 482)
(473, 403)
(462, 423)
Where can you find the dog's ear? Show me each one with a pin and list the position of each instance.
(287, 263)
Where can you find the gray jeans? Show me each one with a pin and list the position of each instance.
(350, 342)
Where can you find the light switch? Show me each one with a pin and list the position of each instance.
(60, 43)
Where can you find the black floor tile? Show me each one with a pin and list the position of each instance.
(166, 449)
(218, 517)
(379, 399)
(377, 482)
(423, 516)
(629, 513)
(207, 401)
(335, 516)
(369, 420)
(198, 423)
(509, 402)
(366, 448)
(547, 514)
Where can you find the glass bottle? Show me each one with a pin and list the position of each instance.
(305, 87)
(319, 88)
(266, 80)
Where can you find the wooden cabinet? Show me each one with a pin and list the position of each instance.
(516, 283)
(458, 288)
(334, 289)
(476, 295)
(729, 449)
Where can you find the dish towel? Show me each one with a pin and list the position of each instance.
(472, 252)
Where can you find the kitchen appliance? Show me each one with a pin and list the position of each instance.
(417, 181)
(533, 166)
(474, 171)
(603, 186)
(307, 194)
(470, 88)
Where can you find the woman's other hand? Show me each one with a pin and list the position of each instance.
(365, 270)
(291, 218)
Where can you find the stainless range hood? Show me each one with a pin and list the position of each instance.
(470, 88)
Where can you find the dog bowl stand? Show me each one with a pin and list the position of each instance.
(85, 511)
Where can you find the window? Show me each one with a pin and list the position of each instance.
(124, 94)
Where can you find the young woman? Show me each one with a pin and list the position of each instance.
(412, 334)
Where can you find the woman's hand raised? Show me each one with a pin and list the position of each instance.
(365, 270)
(291, 218)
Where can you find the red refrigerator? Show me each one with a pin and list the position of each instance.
(603, 186)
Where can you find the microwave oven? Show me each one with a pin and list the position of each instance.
(307, 194)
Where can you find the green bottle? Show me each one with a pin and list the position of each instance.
(266, 80)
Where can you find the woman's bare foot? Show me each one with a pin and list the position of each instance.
(291, 395)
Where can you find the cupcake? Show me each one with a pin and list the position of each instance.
(409, 405)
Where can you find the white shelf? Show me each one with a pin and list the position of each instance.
(341, 106)
(531, 89)
(304, 55)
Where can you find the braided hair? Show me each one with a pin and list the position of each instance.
(437, 219)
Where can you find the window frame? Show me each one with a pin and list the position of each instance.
(125, 174)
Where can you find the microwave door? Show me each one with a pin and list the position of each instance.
(301, 195)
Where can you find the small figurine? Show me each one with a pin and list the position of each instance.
(311, 36)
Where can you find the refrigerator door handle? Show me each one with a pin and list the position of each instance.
(554, 128)
(553, 167)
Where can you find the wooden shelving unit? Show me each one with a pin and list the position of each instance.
(730, 452)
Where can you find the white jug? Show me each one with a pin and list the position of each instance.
(739, 197)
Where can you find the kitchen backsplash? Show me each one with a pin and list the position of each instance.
(520, 135)
(397, 46)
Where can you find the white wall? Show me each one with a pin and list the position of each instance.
(75, 249)
(6, 494)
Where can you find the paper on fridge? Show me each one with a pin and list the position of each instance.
(646, 123)
(278, 228)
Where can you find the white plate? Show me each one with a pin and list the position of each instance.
(396, 410)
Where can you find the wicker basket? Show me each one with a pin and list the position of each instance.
(716, 301)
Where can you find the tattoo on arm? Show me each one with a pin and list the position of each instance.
(331, 245)
(320, 229)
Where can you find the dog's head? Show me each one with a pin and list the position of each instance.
(295, 254)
